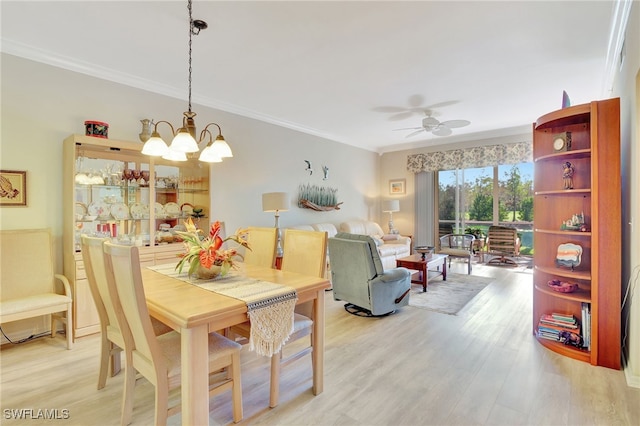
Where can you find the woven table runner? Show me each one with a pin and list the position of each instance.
(269, 306)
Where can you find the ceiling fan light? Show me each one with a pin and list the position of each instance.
(184, 142)
(429, 122)
(155, 146)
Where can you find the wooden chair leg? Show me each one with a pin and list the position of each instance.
(274, 392)
(127, 395)
(236, 390)
(105, 353)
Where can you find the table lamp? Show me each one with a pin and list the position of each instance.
(276, 202)
(390, 206)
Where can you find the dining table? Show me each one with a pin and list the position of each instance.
(195, 312)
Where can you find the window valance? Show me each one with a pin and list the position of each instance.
(480, 156)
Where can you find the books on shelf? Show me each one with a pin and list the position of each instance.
(586, 325)
(560, 320)
(558, 327)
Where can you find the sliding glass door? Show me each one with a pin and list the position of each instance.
(475, 198)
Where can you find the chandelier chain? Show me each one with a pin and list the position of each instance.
(190, 41)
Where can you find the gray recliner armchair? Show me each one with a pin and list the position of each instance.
(359, 279)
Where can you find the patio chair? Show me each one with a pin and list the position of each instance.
(504, 243)
(457, 245)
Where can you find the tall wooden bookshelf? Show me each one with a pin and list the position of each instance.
(596, 194)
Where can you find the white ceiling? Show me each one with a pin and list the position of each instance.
(350, 71)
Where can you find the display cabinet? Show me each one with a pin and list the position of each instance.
(112, 190)
(577, 226)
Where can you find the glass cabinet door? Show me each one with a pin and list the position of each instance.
(112, 199)
(181, 192)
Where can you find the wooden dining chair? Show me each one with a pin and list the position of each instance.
(157, 358)
(305, 252)
(262, 242)
(112, 341)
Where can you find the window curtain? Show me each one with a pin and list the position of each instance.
(467, 158)
(426, 201)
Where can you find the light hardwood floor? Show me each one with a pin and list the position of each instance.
(416, 367)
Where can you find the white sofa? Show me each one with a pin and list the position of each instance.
(390, 246)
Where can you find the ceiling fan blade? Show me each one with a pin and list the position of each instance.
(400, 116)
(409, 128)
(415, 133)
(442, 131)
(388, 109)
(455, 123)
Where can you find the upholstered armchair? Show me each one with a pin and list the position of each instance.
(359, 279)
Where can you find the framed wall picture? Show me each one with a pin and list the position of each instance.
(397, 186)
(13, 188)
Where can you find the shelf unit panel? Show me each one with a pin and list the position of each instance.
(566, 350)
(574, 154)
(563, 272)
(580, 295)
(577, 114)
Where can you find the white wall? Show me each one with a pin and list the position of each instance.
(42, 105)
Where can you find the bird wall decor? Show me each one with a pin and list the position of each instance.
(309, 168)
(325, 172)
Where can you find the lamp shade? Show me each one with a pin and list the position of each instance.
(391, 206)
(275, 201)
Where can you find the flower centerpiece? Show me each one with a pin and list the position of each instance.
(205, 256)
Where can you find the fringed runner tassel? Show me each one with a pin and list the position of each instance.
(271, 325)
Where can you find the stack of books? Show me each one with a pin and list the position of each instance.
(550, 326)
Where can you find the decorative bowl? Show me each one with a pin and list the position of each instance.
(424, 251)
(562, 286)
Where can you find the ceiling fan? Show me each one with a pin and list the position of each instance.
(433, 125)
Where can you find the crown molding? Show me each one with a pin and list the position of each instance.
(73, 64)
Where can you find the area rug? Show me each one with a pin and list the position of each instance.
(450, 296)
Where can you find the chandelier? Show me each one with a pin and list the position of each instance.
(184, 139)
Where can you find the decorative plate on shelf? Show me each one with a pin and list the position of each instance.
(186, 209)
(99, 209)
(159, 210)
(172, 209)
(569, 255)
(139, 211)
(81, 209)
(119, 211)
